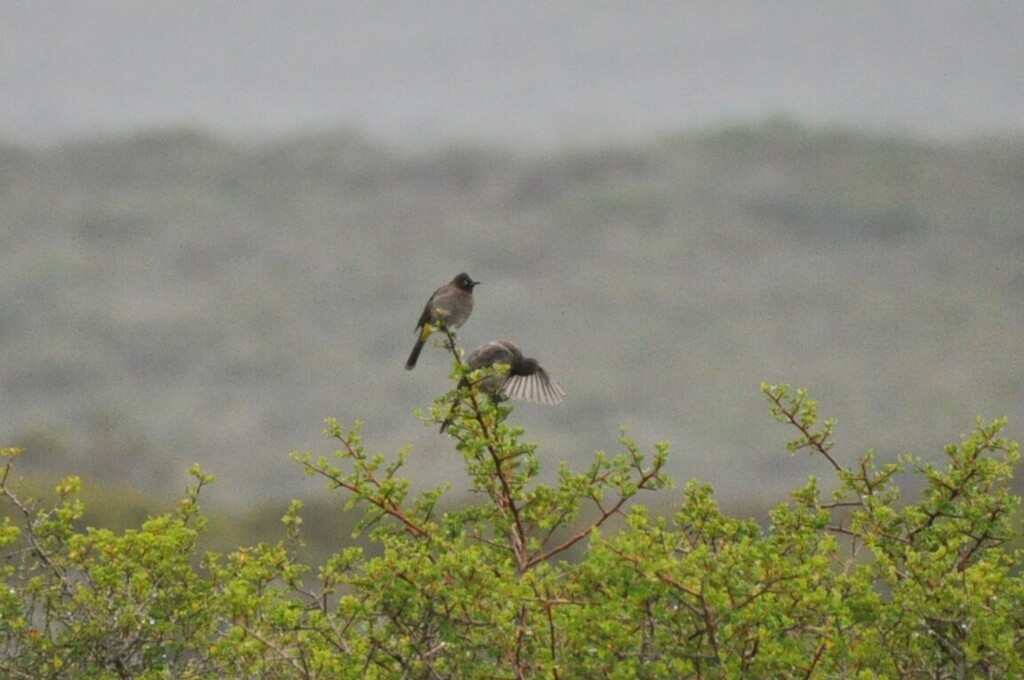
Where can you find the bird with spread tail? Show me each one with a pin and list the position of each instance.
(449, 307)
(524, 378)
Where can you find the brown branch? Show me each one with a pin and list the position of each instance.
(388, 508)
(520, 638)
(841, 504)
(281, 654)
(811, 439)
(44, 556)
(505, 501)
(857, 534)
(552, 646)
(606, 513)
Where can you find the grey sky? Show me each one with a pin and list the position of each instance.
(519, 72)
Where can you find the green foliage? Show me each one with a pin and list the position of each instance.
(530, 579)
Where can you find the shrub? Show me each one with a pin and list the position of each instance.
(529, 580)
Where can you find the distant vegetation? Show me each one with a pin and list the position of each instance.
(171, 297)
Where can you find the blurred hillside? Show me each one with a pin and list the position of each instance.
(172, 297)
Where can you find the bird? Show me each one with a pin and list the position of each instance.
(524, 378)
(449, 307)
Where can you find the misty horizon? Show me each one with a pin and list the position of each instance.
(523, 74)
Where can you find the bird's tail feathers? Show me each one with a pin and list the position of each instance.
(415, 355)
(538, 387)
(425, 331)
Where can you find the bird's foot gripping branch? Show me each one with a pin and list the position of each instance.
(856, 582)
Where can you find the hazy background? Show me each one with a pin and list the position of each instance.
(557, 71)
(221, 220)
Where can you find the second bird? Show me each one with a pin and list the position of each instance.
(448, 307)
(525, 379)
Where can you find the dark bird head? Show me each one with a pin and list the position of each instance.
(464, 282)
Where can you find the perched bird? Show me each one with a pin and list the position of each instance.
(448, 307)
(523, 379)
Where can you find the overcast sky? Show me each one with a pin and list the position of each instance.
(552, 71)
